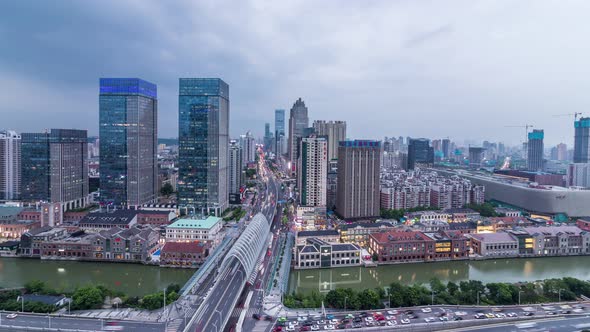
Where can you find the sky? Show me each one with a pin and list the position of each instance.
(459, 69)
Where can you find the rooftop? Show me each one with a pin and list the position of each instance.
(400, 236)
(117, 217)
(494, 237)
(195, 223)
(553, 230)
(185, 247)
(327, 232)
(366, 225)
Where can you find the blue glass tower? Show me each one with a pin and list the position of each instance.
(203, 130)
(128, 118)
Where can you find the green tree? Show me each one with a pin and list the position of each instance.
(35, 287)
(166, 189)
(396, 293)
(88, 297)
(369, 299)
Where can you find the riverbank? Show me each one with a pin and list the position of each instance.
(493, 270)
(133, 279)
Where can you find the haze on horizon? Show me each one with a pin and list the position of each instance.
(458, 69)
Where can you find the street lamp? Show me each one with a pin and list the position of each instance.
(559, 294)
(432, 296)
(478, 292)
(220, 319)
(519, 292)
(389, 302)
(345, 298)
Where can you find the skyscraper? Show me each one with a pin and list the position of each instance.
(128, 130)
(203, 128)
(312, 171)
(10, 167)
(582, 140)
(335, 131)
(446, 147)
(235, 167)
(268, 138)
(561, 151)
(55, 167)
(298, 121)
(279, 132)
(535, 150)
(248, 145)
(475, 156)
(358, 179)
(419, 152)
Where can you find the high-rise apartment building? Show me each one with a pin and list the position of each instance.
(128, 127)
(578, 175)
(298, 122)
(335, 131)
(248, 145)
(279, 132)
(419, 152)
(203, 129)
(446, 148)
(10, 167)
(561, 151)
(475, 156)
(54, 167)
(235, 167)
(582, 140)
(535, 151)
(358, 179)
(312, 172)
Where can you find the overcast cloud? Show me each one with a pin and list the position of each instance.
(462, 69)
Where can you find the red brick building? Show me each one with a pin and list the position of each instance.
(184, 254)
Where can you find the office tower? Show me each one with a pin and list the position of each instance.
(332, 184)
(268, 138)
(446, 147)
(203, 128)
(298, 122)
(475, 156)
(128, 125)
(313, 171)
(553, 153)
(437, 145)
(561, 151)
(248, 145)
(582, 140)
(358, 179)
(235, 167)
(419, 152)
(10, 167)
(335, 131)
(535, 150)
(55, 167)
(279, 132)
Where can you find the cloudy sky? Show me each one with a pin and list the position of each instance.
(462, 69)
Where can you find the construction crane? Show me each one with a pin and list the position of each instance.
(575, 114)
(526, 130)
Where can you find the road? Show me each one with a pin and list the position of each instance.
(24, 321)
(561, 324)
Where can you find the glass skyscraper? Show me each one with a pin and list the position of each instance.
(128, 125)
(203, 129)
(582, 141)
(279, 132)
(55, 167)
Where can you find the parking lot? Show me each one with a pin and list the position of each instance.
(440, 316)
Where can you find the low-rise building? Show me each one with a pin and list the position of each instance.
(465, 227)
(155, 217)
(98, 221)
(16, 228)
(559, 240)
(449, 246)
(31, 241)
(328, 235)
(583, 223)
(9, 248)
(359, 232)
(190, 230)
(462, 214)
(316, 253)
(500, 244)
(397, 247)
(432, 226)
(507, 212)
(184, 254)
(526, 242)
(423, 216)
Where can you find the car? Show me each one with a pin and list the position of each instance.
(390, 317)
(282, 319)
(290, 328)
(511, 314)
(408, 312)
(11, 316)
(429, 319)
(479, 315)
(294, 323)
(392, 312)
(307, 323)
(368, 319)
(457, 318)
(277, 329)
(405, 321)
(316, 318)
(329, 317)
(315, 328)
(412, 316)
(357, 320)
(363, 314)
(357, 325)
(500, 315)
(268, 318)
(341, 326)
(528, 314)
(444, 319)
(333, 321)
(305, 328)
(551, 313)
(112, 326)
(490, 315)
(578, 310)
(460, 313)
(256, 316)
(330, 327)
(377, 313)
(302, 318)
(391, 323)
(426, 310)
(322, 322)
(368, 324)
(566, 312)
(379, 318)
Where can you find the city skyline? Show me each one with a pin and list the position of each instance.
(402, 79)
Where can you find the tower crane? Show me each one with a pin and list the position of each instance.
(575, 114)
(526, 130)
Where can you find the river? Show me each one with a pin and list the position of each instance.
(133, 279)
(497, 270)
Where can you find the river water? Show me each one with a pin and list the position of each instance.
(133, 279)
(498, 270)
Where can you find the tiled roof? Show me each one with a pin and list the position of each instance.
(400, 236)
(494, 237)
(185, 247)
(328, 232)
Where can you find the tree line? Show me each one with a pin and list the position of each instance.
(470, 292)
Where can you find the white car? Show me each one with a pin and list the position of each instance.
(392, 312)
(294, 323)
(444, 319)
(315, 328)
(512, 314)
(500, 315)
(302, 318)
(429, 319)
(11, 316)
(330, 327)
(368, 319)
(333, 321)
(290, 328)
(405, 321)
(391, 323)
(426, 310)
(460, 313)
(322, 322)
(390, 317)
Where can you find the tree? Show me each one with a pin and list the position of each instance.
(89, 297)
(35, 287)
(396, 294)
(167, 189)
